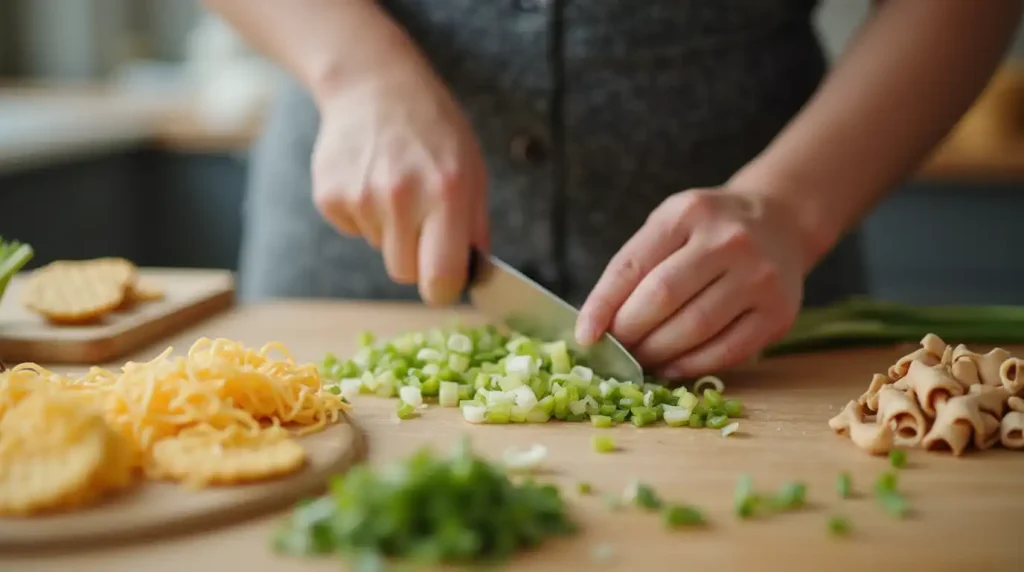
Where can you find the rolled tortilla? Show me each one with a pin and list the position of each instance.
(991, 400)
(961, 417)
(970, 368)
(931, 385)
(931, 352)
(1011, 376)
(901, 412)
(875, 438)
(878, 381)
(1011, 430)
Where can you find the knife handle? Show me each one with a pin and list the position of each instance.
(474, 267)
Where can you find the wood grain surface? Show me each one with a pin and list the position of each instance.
(968, 513)
(191, 295)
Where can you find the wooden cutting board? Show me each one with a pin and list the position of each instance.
(157, 509)
(191, 295)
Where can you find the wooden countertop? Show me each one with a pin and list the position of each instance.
(968, 512)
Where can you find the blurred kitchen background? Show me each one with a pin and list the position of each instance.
(125, 124)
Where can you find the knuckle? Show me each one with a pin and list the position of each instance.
(764, 276)
(327, 201)
(734, 238)
(627, 269)
(661, 292)
(396, 194)
(701, 321)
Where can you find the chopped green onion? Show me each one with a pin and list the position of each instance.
(406, 411)
(677, 516)
(602, 552)
(733, 407)
(887, 482)
(584, 488)
(838, 526)
(368, 514)
(893, 503)
(898, 458)
(525, 460)
(717, 422)
(612, 502)
(745, 500)
(791, 496)
(602, 443)
(601, 421)
(514, 378)
(730, 429)
(844, 485)
(643, 496)
(713, 399)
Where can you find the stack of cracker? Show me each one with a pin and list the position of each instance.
(71, 292)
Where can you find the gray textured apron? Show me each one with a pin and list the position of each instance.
(590, 113)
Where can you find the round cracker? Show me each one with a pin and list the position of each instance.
(72, 292)
(199, 460)
(50, 451)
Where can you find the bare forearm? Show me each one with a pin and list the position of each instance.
(320, 42)
(915, 68)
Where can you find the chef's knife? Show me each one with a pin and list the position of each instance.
(502, 293)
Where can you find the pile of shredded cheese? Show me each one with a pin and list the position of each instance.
(220, 388)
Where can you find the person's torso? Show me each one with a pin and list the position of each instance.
(591, 112)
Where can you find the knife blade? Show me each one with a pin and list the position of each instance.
(502, 293)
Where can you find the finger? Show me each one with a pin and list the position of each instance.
(400, 236)
(740, 340)
(654, 242)
(335, 212)
(365, 214)
(701, 319)
(480, 236)
(672, 284)
(443, 255)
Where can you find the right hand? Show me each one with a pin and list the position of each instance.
(396, 163)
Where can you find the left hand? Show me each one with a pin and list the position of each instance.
(712, 277)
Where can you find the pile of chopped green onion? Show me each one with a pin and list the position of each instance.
(496, 378)
(427, 509)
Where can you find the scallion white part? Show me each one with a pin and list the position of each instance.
(525, 460)
(677, 416)
(730, 428)
(525, 397)
(350, 387)
(460, 343)
(411, 395)
(522, 366)
(584, 373)
(429, 355)
(474, 413)
(708, 380)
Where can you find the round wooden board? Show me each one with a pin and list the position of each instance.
(154, 509)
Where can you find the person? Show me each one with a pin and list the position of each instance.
(685, 169)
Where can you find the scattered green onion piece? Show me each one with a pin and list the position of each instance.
(745, 501)
(677, 417)
(696, 419)
(893, 503)
(838, 526)
(601, 421)
(687, 400)
(602, 552)
(602, 443)
(730, 429)
(844, 485)
(716, 421)
(898, 458)
(612, 502)
(644, 496)
(678, 516)
(584, 488)
(405, 410)
(887, 482)
(791, 496)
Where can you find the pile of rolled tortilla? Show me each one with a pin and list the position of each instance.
(940, 398)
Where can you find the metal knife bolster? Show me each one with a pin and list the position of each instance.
(505, 295)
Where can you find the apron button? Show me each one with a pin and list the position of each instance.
(529, 149)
